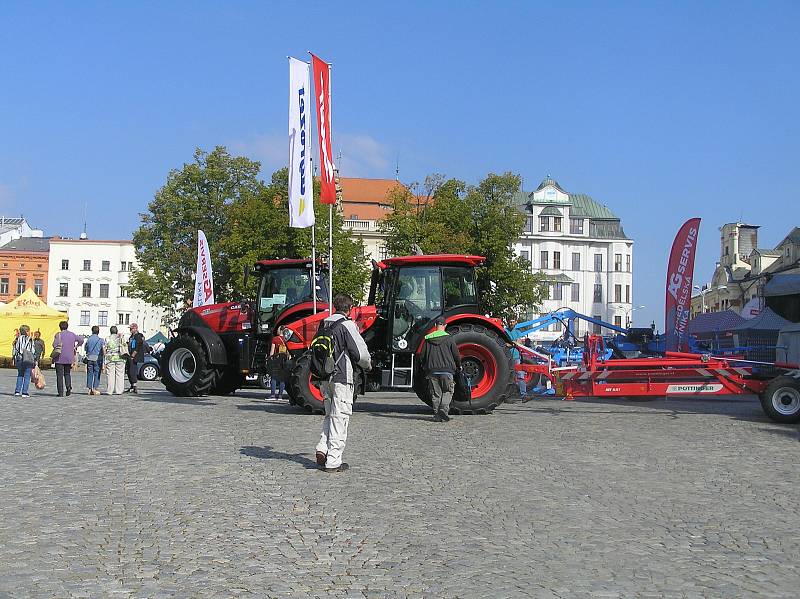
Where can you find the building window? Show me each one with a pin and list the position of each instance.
(20, 286)
(557, 223)
(598, 293)
(544, 223)
(576, 292)
(105, 265)
(545, 262)
(65, 265)
(123, 291)
(618, 294)
(576, 226)
(598, 263)
(4, 285)
(102, 318)
(557, 291)
(557, 260)
(596, 327)
(124, 318)
(87, 290)
(525, 254)
(627, 294)
(617, 262)
(576, 261)
(103, 289)
(618, 321)
(63, 289)
(123, 266)
(628, 263)
(38, 286)
(529, 224)
(87, 265)
(84, 318)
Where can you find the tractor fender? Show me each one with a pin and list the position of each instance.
(210, 341)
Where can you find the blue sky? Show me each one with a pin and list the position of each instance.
(660, 110)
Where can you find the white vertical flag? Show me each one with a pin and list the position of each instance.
(301, 187)
(204, 279)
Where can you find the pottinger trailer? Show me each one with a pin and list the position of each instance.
(677, 374)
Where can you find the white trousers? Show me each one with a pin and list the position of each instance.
(116, 377)
(338, 409)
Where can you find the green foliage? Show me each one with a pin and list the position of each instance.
(244, 219)
(479, 220)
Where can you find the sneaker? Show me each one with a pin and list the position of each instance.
(443, 416)
(135, 390)
(321, 458)
(17, 394)
(436, 417)
(25, 395)
(341, 468)
(69, 392)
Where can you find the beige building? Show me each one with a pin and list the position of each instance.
(744, 269)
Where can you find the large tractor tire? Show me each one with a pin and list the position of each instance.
(185, 368)
(486, 360)
(304, 392)
(228, 381)
(781, 400)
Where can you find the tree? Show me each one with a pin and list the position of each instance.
(480, 220)
(244, 219)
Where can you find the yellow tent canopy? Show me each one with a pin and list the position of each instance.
(30, 310)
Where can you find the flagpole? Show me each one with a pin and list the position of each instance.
(330, 206)
(314, 267)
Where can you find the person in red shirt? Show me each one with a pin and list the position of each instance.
(278, 356)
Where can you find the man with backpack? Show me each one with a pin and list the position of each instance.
(440, 361)
(337, 350)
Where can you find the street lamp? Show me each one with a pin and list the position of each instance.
(703, 291)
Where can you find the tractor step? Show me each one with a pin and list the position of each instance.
(401, 375)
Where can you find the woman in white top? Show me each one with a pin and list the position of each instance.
(24, 359)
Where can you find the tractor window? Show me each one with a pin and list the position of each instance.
(459, 287)
(418, 298)
(284, 287)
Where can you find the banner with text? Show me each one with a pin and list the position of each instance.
(301, 187)
(322, 91)
(680, 274)
(204, 279)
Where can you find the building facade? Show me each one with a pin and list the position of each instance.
(16, 228)
(744, 269)
(581, 248)
(365, 202)
(24, 265)
(88, 279)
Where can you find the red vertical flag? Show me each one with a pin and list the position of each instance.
(680, 273)
(322, 93)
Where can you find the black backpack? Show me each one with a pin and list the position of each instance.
(322, 350)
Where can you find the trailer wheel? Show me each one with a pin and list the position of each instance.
(486, 360)
(781, 400)
(302, 389)
(186, 371)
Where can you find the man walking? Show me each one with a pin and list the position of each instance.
(136, 355)
(440, 361)
(65, 342)
(349, 352)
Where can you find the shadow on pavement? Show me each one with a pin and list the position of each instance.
(784, 432)
(267, 453)
(189, 401)
(272, 407)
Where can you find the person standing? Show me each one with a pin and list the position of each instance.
(24, 360)
(38, 346)
(440, 361)
(64, 344)
(349, 352)
(94, 351)
(278, 354)
(136, 355)
(115, 362)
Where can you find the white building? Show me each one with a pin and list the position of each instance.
(89, 280)
(581, 247)
(16, 228)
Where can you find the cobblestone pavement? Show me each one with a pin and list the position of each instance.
(155, 496)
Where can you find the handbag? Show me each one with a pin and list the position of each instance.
(39, 381)
(463, 391)
(56, 353)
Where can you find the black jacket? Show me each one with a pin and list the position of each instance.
(440, 353)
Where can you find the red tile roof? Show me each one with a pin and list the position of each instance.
(367, 199)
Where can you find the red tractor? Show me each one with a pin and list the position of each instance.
(406, 295)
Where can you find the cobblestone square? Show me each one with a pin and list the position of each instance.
(156, 496)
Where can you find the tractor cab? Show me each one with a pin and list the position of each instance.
(409, 293)
(285, 292)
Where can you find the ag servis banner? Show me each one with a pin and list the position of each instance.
(204, 279)
(301, 187)
(680, 274)
(322, 92)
